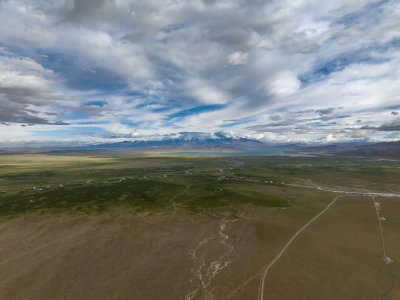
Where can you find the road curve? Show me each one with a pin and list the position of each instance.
(261, 290)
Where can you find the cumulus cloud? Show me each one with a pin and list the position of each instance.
(24, 24)
(25, 91)
(330, 138)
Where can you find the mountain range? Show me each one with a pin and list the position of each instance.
(188, 140)
(389, 150)
(221, 142)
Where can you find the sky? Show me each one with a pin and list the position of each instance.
(280, 71)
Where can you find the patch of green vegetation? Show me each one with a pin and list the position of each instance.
(149, 194)
(95, 183)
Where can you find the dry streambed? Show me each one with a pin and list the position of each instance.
(118, 255)
(216, 254)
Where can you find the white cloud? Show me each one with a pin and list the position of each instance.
(330, 138)
(283, 84)
(24, 25)
(236, 58)
(148, 60)
(204, 92)
(20, 74)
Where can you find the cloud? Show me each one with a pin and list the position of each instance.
(24, 24)
(266, 69)
(108, 135)
(270, 126)
(236, 58)
(283, 84)
(392, 126)
(88, 11)
(326, 111)
(25, 92)
(203, 91)
(330, 138)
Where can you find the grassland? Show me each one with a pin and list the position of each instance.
(95, 182)
(336, 258)
(122, 225)
(53, 183)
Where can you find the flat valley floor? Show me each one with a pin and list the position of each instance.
(124, 225)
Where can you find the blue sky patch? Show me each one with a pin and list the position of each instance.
(196, 110)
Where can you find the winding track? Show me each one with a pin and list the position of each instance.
(261, 297)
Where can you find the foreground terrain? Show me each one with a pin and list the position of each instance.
(121, 225)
